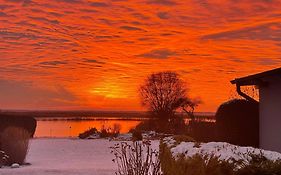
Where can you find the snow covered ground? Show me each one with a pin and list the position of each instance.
(68, 157)
(222, 150)
(49, 156)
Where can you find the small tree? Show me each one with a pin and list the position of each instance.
(163, 93)
(137, 158)
(188, 106)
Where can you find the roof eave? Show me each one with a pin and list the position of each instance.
(255, 79)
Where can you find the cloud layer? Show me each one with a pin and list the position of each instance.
(88, 54)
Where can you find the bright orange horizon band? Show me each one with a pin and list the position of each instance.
(84, 54)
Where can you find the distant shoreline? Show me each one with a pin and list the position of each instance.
(93, 115)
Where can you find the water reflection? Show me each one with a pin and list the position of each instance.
(72, 128)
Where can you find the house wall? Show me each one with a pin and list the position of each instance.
(270, 115)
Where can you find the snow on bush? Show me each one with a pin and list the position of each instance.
(224, 151)
(3, 158)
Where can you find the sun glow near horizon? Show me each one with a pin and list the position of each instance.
(94, 54)
(109, 91)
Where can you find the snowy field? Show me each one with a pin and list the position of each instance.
(92, 157)
(68, 157)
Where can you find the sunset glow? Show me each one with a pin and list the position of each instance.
(66, 129)
(93, 55)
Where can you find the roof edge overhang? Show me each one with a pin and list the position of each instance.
(256, 79)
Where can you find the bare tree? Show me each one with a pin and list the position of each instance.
(188, 106)
(163, 93)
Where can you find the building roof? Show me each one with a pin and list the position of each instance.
(256, 79)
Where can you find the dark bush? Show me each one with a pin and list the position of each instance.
(3, 158)
(199, 130)
(177, 125)
(108, 132)
(174, 125)
(203, 165)
(196, 165)
(259, 165)
(147, 125)
(26, 122)
(136, 135)
(238, 122)
(202, 131)
(103, 133)
(14, 142)
(88, 133)
(183, 138)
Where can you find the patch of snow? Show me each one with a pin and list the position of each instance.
(68, 157)
(15, 165)
(148, 135)
(124, 137)
(222, 150)
(169, 141)
(94, 136)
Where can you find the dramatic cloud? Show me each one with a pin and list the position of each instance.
(268, 61)
(162, 2)
(93, 61)
(53, 63)
(159, 54)
(16, 35)
(99, 4)
(163, 15)
(3, 6)
(25, 94)
(130, 28)
(42, 19)
(270, 31)
(94, 54)
(2, 14)
(70, 1)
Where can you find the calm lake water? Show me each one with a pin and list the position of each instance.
(72, 128)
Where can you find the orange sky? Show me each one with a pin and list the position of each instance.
(84, 54)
